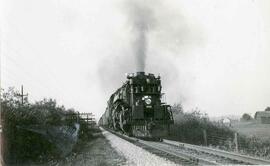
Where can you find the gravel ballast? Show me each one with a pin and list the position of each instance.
(134, 155)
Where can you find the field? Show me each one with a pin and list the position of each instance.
(253, 128)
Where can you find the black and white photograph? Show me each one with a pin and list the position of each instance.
(134, 82)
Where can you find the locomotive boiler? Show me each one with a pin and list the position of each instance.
(136, 108)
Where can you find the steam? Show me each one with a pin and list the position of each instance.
(141, 17)
(140, 51)
(153, 37)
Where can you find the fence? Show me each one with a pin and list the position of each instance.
(89, 118)
(231, 141)
(221, 141)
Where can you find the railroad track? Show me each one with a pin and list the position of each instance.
(176, 158)
(178, 153)
(241, 159)
(187, 154)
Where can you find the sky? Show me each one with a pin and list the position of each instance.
(213, 55)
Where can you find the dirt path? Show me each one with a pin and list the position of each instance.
(97, 152)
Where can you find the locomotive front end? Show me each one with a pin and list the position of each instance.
(135, 109)
(150, 118)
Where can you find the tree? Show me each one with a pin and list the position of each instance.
(177, 109)
(267, 109)
(246, 117)
(11, 98)
(32, 131)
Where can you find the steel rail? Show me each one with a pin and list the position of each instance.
(222, 153)
(178, 154)
(186, 156)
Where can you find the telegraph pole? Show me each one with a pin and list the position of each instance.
(22, 95)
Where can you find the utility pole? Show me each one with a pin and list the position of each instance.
(22, 95)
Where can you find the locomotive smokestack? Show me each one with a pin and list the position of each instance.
(140, 73)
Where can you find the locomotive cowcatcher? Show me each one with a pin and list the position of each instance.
(136, 108)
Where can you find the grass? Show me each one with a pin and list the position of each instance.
(253, 138)
(253, 129)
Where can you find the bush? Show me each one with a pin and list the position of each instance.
(26, 128)
(254, 146)
(246, 117)
(189, 126)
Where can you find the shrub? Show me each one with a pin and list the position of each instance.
(25, 128)
(246, 117)
(189, 127)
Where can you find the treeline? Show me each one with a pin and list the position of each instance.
(195, 128)
(37, 132)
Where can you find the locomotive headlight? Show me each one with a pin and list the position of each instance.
(148, 101)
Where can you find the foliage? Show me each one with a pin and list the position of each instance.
(177, 109)
(254, 146)
(267, 109)
(22, 145)
(246, 117)
(189, 126)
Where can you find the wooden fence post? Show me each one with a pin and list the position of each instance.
(236, 141)
(205, 137)
(78, 117)
(230, 144)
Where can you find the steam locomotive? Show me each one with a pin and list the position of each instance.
(136, 108)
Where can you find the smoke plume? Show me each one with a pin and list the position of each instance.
(154, 37)
(142, 20)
